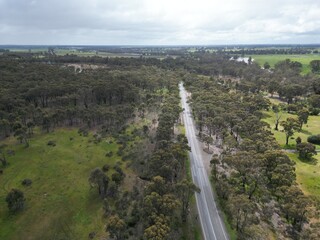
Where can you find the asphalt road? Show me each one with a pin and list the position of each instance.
(212, 225)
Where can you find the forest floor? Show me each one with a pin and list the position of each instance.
(308, 172)
(59, 203)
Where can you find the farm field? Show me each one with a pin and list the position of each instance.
(304, 59)
(59, 203)
(62, 52)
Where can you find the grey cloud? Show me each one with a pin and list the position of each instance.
(158, 22)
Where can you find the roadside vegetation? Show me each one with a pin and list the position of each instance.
(250, 170)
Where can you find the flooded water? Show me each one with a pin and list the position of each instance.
(242, 59)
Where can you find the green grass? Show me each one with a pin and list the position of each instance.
(59, 202)
(181, 129)
(275, 101)
(231, 232)
(311, 128)
(308, 175)
(304, 59)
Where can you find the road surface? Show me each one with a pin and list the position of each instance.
(211, 223)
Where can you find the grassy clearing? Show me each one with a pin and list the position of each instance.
(304, 59)
(276, 101)
(59, 203)
(311, 128)
(308, 175)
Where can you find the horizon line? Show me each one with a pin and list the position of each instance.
(165, 45)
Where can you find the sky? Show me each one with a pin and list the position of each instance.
(159, 22)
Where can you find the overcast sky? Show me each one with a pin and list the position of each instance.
(159, 22)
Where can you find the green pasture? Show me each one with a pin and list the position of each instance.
(59, 203)
(304, 59)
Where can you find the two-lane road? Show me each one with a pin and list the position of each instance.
(212, 225)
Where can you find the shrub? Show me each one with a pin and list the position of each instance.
(106, 167)
(26, 182)
(298, 140)
(315, 139)
(306, 150)
(92, 235)
(15, 200)
(97, 138)
(314, 111)
(118, 169)
(291, 108)
(109, 154)
(83, 132)
(51, 143)
(11, 152)
(117, 178)
(120, 152)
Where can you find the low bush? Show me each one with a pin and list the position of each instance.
(51, 143)
(106, 167)
(26, 182)
(315, 139)
(314, 111)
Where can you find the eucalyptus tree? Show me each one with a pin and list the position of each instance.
(185, 190)
(290, 126)
(99, 180)
(303, 116)
(306, 150)
(3, 159)
(116, 227)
